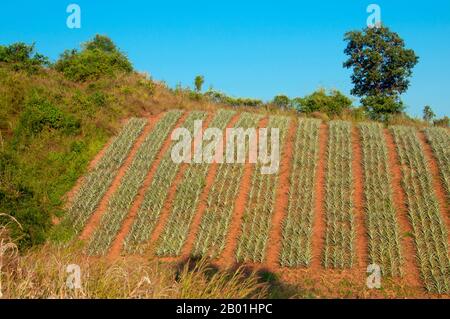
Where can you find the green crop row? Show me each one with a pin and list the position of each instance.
(257, 218)
(155, 196)
(121, 201)
(187, 198)
(100, 178)
(211, 237)
(429, 230)
(340, 228)
(381, 221)
(439, 139)
(297, 227)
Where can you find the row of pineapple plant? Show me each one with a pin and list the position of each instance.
(155, 196)
(380, 215)
(98, 180)
(429, 230)
(121, 201)
(297, 227)
(339, 251)
(187, 199)
(257, 219)
(213, 229)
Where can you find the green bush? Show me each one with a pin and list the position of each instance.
(281, 101)
(22, 57)
(40, 113)
(333, 104)
(382, 108)
(221, 98)
(98, 58)
(442, 122)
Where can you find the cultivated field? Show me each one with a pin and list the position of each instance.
(345, 196)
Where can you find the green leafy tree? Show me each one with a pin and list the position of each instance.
(381, 67)
(332, 103)
(428, 114)
(282, 101)
(199, 81)
(22, 57)
(99, 57)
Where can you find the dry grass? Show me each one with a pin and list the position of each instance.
(42, 274)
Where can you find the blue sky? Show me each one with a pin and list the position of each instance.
(245, 48)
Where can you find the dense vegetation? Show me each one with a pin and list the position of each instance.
(54, 117)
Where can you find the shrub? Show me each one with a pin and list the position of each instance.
(22, 57)
(381, 107)
(281, 101)
(99, 58)
(333, 103)
(442, 122)
(40, 113)
(222, 98)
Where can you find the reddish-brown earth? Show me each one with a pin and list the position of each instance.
(116, 246)
(95, 219)
(203, 200)
(227, 257)
(359, 211)
(410, 269)
(281, 199)
(319, 218)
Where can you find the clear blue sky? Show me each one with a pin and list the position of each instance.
(252, 48)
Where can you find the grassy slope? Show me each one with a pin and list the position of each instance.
(38, 165)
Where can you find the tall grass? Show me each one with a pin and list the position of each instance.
(42, 274)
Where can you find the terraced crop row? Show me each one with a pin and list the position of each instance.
(211, 237)
(100, 178)
(340, 228)
(257, 218)
(439, 139)
(122, 199)
(381, 221)
(297, 227)
(155, 196)
(429, 230)
(186, 200)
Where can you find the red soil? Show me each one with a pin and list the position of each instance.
(97, 215)
(410, 269)
(167, 208)
(358, 183)
(70, 196)
(192, 235)
(319, 220)
(116, 246)
(439, 189)
(282, 199)
(227, 258)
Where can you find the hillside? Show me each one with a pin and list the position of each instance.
(346, 196)
(87, 177)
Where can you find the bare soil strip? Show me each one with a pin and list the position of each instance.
(438, 187)
(319, 220)
(103, 205)
(167, 209)
(227, 257)
(282, 199)
(70, 196)
(410, 268)
(358, 183)
(117, 244)
(192, 235)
